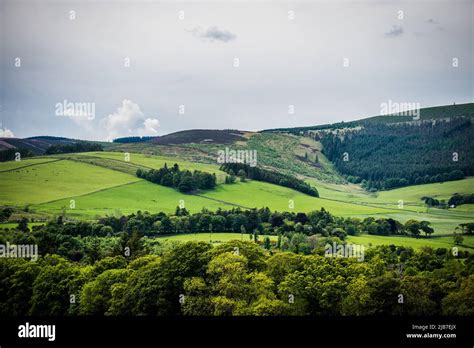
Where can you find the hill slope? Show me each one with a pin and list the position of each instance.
(103, 183)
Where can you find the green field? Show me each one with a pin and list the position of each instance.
(128, 199)
(217, 237)
(56, 180)
(260, 194)
(103, 183)
(366, 240)
(412, 207)
(155, 162)
(434, 242)
(11, 165)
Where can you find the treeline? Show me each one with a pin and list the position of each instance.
(183, 180)
(458, 199)
(74, 147)
(272, 177)
(388, 156)
(302, 130)
(240, 278)
(454, 201)
(253, 223)
(11, 154)
(129, 140)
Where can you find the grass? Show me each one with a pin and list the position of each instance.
(216, 237)
(56, 180)
(11, 165)
(260, 194)
(282, 152)
(145, 196)
(416, 243)
(156, 162)
(443, 220)
(366, 240)
(104, 183)
(128, 199)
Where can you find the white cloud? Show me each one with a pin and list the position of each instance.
(151, 125)
(129, 120)
(6, 133)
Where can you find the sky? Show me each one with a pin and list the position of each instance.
(99, 70)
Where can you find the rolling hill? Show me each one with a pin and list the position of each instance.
(93, 184)
(198, 136)
(103, 183)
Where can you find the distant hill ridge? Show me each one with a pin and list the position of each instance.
(430, 113)
(201, 136)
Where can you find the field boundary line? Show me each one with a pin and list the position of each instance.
(221, 201)
(31, 165)
(88, 193)
(365, 205)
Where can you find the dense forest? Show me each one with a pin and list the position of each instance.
(183, 180)
(387, 156)
(72, 148)
(431, 113)
(110, 268)
(259, 174)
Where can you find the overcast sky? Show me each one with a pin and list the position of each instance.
(154, 67)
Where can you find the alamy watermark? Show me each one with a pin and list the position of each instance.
(29, 251)
(237, 156)
(79, 110)
(37, 331)
(400, 109)
(344, 250)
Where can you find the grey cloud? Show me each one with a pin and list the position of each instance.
(215, 34)
(436, 23)
(395, 31)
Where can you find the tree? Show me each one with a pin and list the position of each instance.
(242, 230)
(23, 225)
(461, 301)
(236, 291)
(154, 289)
(16, 277)
(266, 243)
(53, 287)
(242, 175)
(282, 264)
(457, 238)
(96, 295)
(255, 235)
(425, 227)
(186, 184)
(467, 228)
(413, 227)
(416, 296)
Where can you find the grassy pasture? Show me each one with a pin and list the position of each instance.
(99, 184)
(260, 194)
(56, 180)
(12, 165)
(128, 199)
(216, 237)
(156, 162)
(434, 242)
